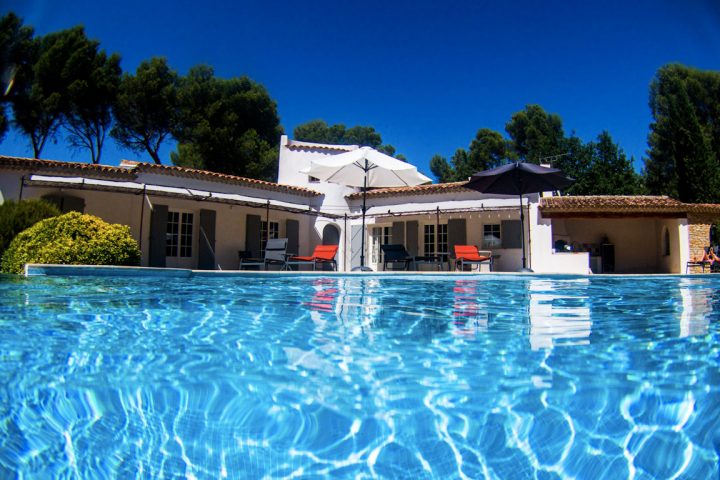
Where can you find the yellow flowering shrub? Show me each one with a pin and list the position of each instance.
(72, 239)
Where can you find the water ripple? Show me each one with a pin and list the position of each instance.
(494, 377)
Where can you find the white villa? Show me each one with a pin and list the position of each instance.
(201, 220)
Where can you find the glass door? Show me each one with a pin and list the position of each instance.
(179, 239)
(378, 236)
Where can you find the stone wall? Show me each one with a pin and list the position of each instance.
(699, 232)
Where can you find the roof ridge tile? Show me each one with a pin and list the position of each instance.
(132, 169)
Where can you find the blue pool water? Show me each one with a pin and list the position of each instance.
(360, 377)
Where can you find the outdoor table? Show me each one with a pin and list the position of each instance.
(434, 260)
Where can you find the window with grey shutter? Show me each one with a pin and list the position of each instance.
(292, 233)
(253, 235)
(510, 234)
(456, 234)
(206, 249)
(411, 242)
(158, 238)
(398, 233)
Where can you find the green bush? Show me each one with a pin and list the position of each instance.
(72, 239)
(16, 217)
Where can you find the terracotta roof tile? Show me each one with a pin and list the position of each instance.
(129, 170)
(609, 202)
(185, 172)
(70, 168)
(713, 208)
(427, 189)
(297, 145)
(620, 204)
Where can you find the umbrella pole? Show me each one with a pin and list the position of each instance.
(522, 232)
(267, 222)
(362, 231)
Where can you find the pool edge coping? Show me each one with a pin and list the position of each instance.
(36, 270)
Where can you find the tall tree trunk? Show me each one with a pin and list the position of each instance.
(155, 157)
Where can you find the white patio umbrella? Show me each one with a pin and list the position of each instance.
(365, 167)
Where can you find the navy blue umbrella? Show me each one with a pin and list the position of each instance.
(519, 178)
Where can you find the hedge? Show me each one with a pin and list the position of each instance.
(17, 216)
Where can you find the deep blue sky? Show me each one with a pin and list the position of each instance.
(427, 75)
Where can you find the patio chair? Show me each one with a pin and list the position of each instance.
(470, 255)
(275, 253)
(322, 255)
(705, 261)
(702, 265)
(395, 254)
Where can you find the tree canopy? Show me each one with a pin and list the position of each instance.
(65, 81)
(318, 131)
(535, 134)
(226, 125)
(91, 95)
(487, 150)
(599, 168)
(684, 139)
(40, 99)
(146, 109)
(15, 41)
(440, 167)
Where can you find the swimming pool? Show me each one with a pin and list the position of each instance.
(360, 376)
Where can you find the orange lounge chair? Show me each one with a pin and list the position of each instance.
(323, 254)
(470, 255)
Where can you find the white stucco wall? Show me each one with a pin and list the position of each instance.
(292, 160)
(544, 259)
(683, 242)
(10, 181)
(679, 245)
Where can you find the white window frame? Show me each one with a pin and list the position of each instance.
(274, 233)
(379, 235)
(179, 242)
(429, 239)
(442, 240)
(490, 239)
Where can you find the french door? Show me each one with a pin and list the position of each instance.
(179, 239)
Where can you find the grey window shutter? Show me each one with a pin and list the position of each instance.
(66, 203)
(398, 233)
(206, 249)
(510, 234)
(55, 200)
(73, 204)
(158, 239)
(252, 235)
(411, 242)
(457, 234)
(292, 232)
(355, 245)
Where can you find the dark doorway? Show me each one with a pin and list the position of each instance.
(330, 236)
